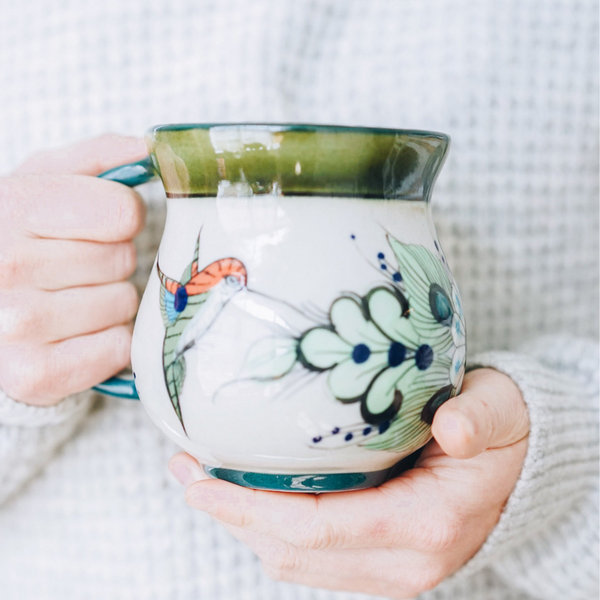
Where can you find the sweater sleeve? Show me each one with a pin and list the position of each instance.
(31, 435)
(546, 542)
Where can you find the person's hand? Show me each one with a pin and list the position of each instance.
(65, 255)
(401, 538)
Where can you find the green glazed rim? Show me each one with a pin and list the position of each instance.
(247, 159)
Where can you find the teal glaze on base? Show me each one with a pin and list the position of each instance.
(316, 482)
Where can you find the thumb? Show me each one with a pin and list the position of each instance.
(488, 413)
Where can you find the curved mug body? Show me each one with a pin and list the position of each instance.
(301, 325)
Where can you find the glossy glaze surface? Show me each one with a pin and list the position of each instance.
(298, 327)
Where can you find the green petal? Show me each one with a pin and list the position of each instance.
(419, 269)
(323, 348)
(386, 311)
(407, 432)
(437, 375)
(381, 394)
(352, 326)
(270, 358)
(349, 380)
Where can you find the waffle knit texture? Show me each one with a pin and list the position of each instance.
(87, 508)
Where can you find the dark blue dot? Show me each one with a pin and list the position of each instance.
(436, 245)
(396, 354)
(348, 437)
(134, 376)
(361, 353)
(317, 439)
(424, 357)
(367, 430)
(397, 277)
(353, 236)
(383, 427)
(384, 267)
(181, 299)
(381, 256)
(335, 430)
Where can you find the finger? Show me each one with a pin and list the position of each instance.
(389, 516)
(186, 469)
(43, 375)
(38, 316)
(74, 207)
(88, 157)
(489, 413)
(59, 264)
(381, 572)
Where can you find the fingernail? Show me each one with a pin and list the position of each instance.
(185, 474)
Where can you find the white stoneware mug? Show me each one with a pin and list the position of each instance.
(301, 325)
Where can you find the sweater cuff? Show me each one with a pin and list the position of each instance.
(18, 414)
(558, 379)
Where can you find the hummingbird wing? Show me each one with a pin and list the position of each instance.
(174, 362)
(168, 289)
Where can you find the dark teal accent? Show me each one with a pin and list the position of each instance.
(132, 174)
(118, 387)
(316, 482)
(441, 307)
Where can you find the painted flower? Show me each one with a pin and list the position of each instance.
(435, 312)
(373, 353)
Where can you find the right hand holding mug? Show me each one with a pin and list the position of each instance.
(66, 252)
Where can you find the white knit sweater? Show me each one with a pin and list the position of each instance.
(87, 508)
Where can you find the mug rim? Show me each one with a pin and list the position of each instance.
(307, 127)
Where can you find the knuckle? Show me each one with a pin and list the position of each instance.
(127, 260)
(131, 213)
(425, 579)
(120, 350)
(129, 299)
(17, 323)
(11, 269)
(27, 380)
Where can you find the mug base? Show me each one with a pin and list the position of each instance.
(315, 482)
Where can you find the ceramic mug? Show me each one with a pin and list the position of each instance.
(301, 325)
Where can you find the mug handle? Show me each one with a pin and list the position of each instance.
(123, 385)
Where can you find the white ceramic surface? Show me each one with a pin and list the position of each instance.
(300, 255)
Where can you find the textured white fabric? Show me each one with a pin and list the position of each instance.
(514, 82)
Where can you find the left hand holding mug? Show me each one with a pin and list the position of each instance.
(404, 537)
